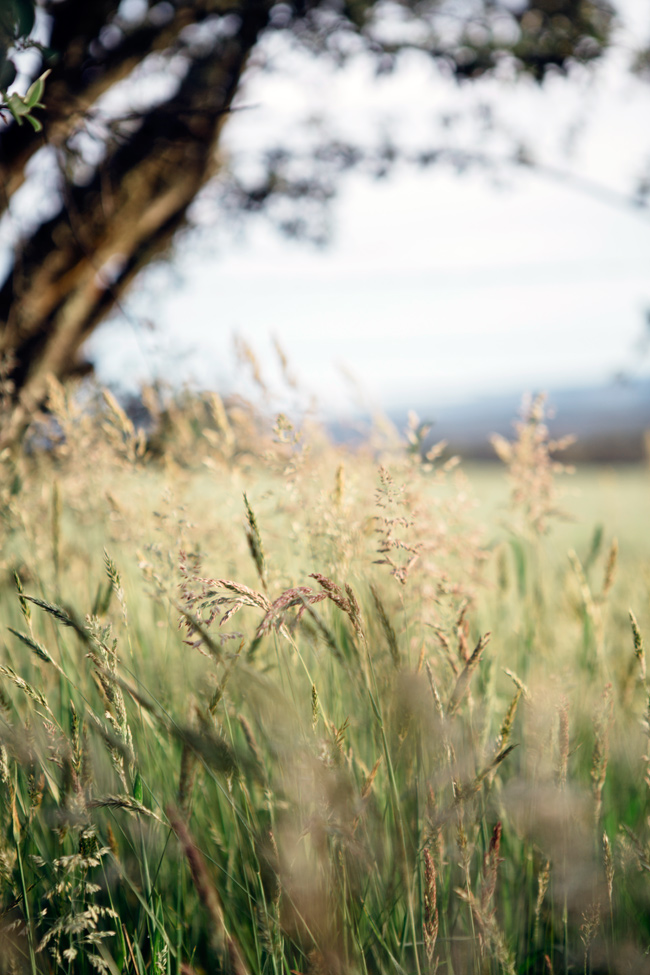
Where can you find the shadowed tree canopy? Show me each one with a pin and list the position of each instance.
(129, 161)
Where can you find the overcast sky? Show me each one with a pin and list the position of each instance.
(435, 286)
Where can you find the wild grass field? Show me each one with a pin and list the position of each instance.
(269, 705)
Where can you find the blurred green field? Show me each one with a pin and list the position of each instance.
(616, 497)
(416, 742)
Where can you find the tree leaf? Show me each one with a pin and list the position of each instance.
(7, 75)
(17, 107)
(25, 17)
(35, 91)
(34, 122)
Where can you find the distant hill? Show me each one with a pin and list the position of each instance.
(611, 422)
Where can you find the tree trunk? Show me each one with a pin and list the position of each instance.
(76, 266)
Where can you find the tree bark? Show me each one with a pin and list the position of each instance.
(76, 266)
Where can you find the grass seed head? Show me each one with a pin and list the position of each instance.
(387, 627)
(543, 879)
(608, 860)
(339, 486)
(24, 605)
(603, 723)
(589, 929)
(431, 918)
(638, 646)
(315, 706)
(254, 539)
(610, 570)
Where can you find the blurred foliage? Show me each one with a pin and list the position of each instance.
(251, 721)
(126, 168)
(17, 19)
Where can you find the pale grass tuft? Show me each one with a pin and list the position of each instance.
(202, 601)
(518, 682)
(370, 778)
(589, 930)
(563, 744)
(390, 528)
(355, 612)
(585, 590)
(296, 596)
(246, 357)
(543, 879)
(531, 468)
(24, 605)
(334, 592)
(221, 421)
(115, 580)
(128, 803)
(338, 497)
(608, 861)
(254, 539)
(506, 726)
(387, 627)
(491, 934)
(315, 707)
(610, 570)
(120, 431)
(59, 614)
(103, 654)
(41, 652)
(24, 686)
(491, 862)
(366, 789)
(465, 676)
(603, 723)
(639, 651)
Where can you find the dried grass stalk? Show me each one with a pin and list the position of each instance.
(603, 723)
(208, 895)
(463, 682)
(542, 886)
(431, 918)
(639, 651)
(387, 627)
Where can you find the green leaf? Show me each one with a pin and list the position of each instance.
(137, 789)
(7, 26)
(50, 54)
(25, 17)
(17, 107)
(34, 122)
(35, 91)
(7, 75)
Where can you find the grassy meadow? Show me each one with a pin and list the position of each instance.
(270, 705)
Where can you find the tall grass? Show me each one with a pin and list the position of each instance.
(269, 706)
